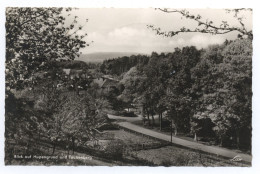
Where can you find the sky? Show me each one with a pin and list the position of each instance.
(125, 29)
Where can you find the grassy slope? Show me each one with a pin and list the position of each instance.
(153, 153)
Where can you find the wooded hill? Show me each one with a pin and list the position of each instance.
(99, 57)
(205, 92)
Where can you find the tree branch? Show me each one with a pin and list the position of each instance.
(208, 26)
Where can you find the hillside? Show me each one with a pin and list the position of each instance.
(101, 56)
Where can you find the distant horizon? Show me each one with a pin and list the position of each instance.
(114, 52)
(125, 29)
(94, 52)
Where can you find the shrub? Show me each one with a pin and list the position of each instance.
(128, 114)
(166, 163)
(115, 149)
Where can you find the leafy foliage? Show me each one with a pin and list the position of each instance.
(224, 92)
(39, 43)
(122, 64)
(205, 92)
(34, 37)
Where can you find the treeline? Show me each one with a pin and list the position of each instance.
(75, 64)
(206, 93)
(120, 65)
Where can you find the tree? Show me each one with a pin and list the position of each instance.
(207, 26)
(121, 65)
(178, 100)
(152, 86)
(77, 120)
(34, 38)
(158, 69)
(238, 82)
(204, 82)
(222, 91)
(221, 79)
(129, 81)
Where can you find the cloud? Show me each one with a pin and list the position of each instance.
(202, 41)
(180, 41)
(127, 32)
(172, 42)
(141, 39)
(116, 29)
(125, 38)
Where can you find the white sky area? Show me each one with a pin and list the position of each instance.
(124, 29)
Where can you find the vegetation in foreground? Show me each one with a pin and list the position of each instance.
(115, 148)
(206, 93)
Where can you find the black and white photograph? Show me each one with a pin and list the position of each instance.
(154, 87)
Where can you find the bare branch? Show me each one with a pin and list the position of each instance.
(208, 26)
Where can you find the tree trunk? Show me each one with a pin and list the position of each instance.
(171, 130)
(152, 120)
(176, 126)
(73, 145)
(148, 117)
(27, 147)
(195, 137)
(68, 148)
(53, 147)
(175, 130)
(142, 113)
(238, 139)
(160, 120)
(221, 140)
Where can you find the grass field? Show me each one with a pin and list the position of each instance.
(168, 155)
(115, 148)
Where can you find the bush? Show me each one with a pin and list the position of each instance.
(115, 149)
(179, 160)
(182, 160)
(166, 163)
(108, 126)
(129, 114)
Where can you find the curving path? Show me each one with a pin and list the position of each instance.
(186, 143)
